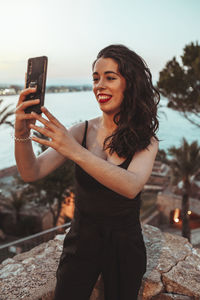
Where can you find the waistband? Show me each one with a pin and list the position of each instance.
(107, 224)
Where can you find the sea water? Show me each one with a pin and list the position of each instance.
(70, 108)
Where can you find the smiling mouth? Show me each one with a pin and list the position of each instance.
(104, 98)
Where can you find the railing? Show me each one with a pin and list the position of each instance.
(25, 244)
(148, 212)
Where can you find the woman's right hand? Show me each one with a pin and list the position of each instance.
(23, 120)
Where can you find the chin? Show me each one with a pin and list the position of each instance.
(109, 111)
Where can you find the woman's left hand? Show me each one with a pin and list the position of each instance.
(60, 138)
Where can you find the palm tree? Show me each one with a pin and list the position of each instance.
(185, 164)
(18, 201)
(5, 112)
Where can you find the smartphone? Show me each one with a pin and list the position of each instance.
(36, 77)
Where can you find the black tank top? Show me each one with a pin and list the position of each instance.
(95, 200)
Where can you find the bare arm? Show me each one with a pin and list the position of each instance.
(24, 155)
(125, 182)
(30, 167)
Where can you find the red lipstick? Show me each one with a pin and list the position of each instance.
(102, 98)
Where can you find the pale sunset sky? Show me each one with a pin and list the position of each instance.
(71, 33)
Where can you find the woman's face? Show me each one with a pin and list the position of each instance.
(108, 85)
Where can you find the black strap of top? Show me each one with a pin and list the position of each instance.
(124, 164)
(85, 134)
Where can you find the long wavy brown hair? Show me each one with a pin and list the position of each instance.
(137, 120)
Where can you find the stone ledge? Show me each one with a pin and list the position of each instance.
(168, 296)
(173, 270)
(10, 171)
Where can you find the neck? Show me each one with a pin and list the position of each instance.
(107, 122)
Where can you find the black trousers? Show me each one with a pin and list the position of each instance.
(117, 252)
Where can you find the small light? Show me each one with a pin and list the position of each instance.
(189, 212)
(176, 215)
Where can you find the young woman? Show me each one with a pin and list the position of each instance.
(114, 156)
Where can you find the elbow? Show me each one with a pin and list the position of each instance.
(28, 175)
(132, 193)
(27, 178)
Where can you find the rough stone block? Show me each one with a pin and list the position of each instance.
(166, 296)
(183, 279)
(151, 285)
(173, 270)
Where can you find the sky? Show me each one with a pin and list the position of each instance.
(72, 32)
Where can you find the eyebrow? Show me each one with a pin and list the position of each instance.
(107, 72)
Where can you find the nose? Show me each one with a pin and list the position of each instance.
(101, 84)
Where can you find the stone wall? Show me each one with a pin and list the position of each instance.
(173, 270)
(10, 171)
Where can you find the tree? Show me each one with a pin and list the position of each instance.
(162, 156)
(5, 113)
(180, 83)
(18, 201)
(53, 186)
(185, 164)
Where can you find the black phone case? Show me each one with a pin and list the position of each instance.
(36, 76)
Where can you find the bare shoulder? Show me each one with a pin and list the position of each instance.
(147, 156)
(78, 129)
(154, 145)
(142, 163)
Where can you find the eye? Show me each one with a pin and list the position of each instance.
(95, 79)
(111, 78)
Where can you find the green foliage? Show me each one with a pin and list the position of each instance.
(5, 113)
(27, 226)
(186, 160)
(18, 200)
(53, 185)
(162, 156)
(56, 182)
(180, 83)
(185, 164)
